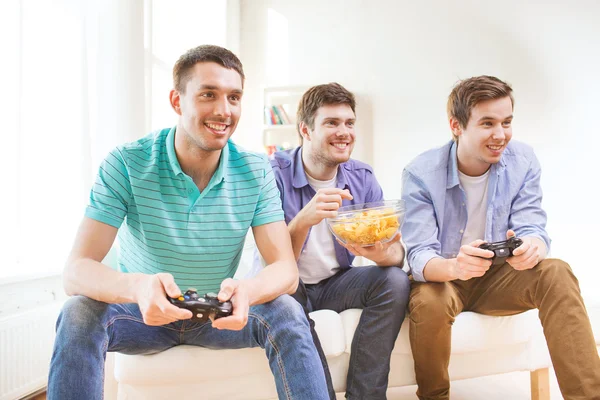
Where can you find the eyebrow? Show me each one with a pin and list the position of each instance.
(488, 118)
(213, 87)
(338, 119)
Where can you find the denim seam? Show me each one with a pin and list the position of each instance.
(104, 351)
(277, 352)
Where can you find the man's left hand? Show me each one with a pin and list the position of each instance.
(526, 256)
(235, 292)
(379, 253)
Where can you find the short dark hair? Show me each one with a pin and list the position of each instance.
(321, 95)
(204, 53)
(467, 93)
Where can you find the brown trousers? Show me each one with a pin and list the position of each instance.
(550, 287)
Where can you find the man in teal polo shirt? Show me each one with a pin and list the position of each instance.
(188, 196)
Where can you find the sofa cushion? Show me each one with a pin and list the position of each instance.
(329, 328)
(471, 331)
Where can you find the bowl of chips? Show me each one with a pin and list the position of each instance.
(368, 223)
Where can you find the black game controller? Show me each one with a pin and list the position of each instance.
(204, 307)
(502, 250)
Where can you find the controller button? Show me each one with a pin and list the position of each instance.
(211, 295)
(180, 298)
(201, 300)
(199, 315)
(186, 297)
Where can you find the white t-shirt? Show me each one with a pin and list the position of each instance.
(476, 188)
(317, 260)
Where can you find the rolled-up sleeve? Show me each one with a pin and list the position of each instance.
(419, 230)
(527, 218)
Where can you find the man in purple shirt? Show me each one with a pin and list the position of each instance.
(314, 180)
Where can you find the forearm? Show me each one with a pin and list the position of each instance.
(395, 257)
(97, 281)
(542, 249)
(439, 270)
(275, 279)
(298, 233)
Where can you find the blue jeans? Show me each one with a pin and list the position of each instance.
(87, 329)
(382, 293)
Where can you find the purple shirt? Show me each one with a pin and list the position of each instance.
(296, 193)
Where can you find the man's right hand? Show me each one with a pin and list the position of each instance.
(324, 204)
(151, 297)
(471, 262)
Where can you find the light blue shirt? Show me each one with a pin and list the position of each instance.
(436, 212)
(170, 226)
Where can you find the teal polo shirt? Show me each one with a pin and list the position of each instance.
(170, 226)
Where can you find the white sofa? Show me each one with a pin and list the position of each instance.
(481, 345)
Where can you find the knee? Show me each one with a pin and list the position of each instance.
(395, 282)
(432, 302)
(80, 313)
(283, 309)
(555, 273)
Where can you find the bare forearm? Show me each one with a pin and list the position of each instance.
(275, 279)
(439, 270)
(395, 257)
(97, 281)
(298, 233)
(542, 249)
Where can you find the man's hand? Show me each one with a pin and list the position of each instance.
(526, 256)
(471, 261)
(379, 253)
(235, 292)
(154, 306)
(324, 204)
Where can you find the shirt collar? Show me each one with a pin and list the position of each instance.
(299, 175)
(219, 174)
(452, 177)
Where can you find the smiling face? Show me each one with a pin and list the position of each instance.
(488, 131)
(210, 106)
(331, 141)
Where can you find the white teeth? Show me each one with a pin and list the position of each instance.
(495, 147)
(217, 127)
(340, 145)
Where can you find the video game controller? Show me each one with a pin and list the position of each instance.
(502, 250)
(204, 307)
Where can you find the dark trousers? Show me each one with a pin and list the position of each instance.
(382, 293)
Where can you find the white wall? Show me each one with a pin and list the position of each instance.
(403, 57)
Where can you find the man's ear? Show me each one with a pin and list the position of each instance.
(304, 131)
(175, 100)
(455, 126)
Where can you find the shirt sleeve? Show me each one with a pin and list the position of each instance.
(527, 218)
(420, 229)
(111, 194)
(269, 208)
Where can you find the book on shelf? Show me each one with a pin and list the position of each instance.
(272, 148)
(276, 115)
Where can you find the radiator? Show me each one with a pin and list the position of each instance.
(26, 340)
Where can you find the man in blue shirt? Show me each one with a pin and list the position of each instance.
(188, 196)
(314, 180)
(483, 187)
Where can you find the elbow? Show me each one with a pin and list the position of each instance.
(294, 279)
(68, 279)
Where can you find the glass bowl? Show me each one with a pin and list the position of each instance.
(368, 223)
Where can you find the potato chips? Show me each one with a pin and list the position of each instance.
(366, 227)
